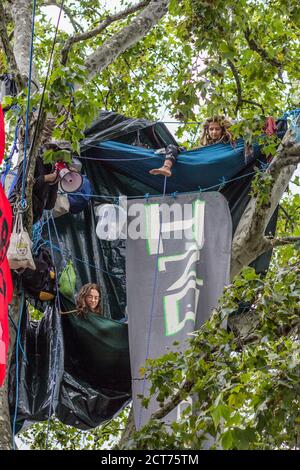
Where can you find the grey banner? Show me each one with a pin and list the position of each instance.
(175, 275)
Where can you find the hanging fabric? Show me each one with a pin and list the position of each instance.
(62, 205)
(89, 359)
(5, 276)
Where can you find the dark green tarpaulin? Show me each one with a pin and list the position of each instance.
(79, 367)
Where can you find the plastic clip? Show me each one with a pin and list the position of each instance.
(223, 183)
(200, 193)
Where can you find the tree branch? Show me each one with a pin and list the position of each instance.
(238, 84)
(100, 28)
(77, 26)
(128, 36)
(258, 105)
(239, 93)
(11, 60)
(274, 242)
(174, 401)
(249, 240)
(263, 54)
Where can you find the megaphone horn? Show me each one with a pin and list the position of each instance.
(70, 181)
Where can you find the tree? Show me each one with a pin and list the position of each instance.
(84, 55)
(235, 57)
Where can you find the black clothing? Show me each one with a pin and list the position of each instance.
(43, 195)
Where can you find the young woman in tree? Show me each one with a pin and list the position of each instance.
(88, 300)
(215, 130)
(170, 158)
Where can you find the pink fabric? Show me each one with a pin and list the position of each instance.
(6, 287)
(270, 126)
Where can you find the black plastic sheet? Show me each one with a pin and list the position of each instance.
(77, 369)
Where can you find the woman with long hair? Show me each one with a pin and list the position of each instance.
(215, 131)
(88, 300)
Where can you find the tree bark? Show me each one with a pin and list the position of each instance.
(249, 240)
(22, 16)
(127, 37)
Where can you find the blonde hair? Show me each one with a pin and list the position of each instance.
(81, 305)
(224, 123)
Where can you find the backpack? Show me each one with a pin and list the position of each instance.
(40, 284)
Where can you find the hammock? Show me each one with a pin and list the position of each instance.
(79, 367)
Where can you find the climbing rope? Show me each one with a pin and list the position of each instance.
(8, 160)
(23, 200)
(49, 70)
(54, 374)
(22, 300)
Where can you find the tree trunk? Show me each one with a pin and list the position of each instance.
(6, 437)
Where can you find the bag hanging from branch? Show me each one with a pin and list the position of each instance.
(67, 281)
(62, 205)
(19, 252)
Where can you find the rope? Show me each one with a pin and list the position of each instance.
(47, 75)
(223, 180)
(117, 159)
(152, 304)
(60, 244)
(37, 230)
(17, 367)
(23, 201)
(56, 248)
(8, 160)
(54, 375)
(62, 253)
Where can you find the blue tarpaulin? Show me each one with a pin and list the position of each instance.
(204, 167)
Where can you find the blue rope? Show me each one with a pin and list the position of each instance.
(117, 159)
(60, 244)
(28, 103)
(147, 195)
(152, 304)
(62, 253)
(57, 248)
(17, 367)
(37, 230)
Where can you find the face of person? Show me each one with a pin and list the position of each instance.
(215, 131)
(92, 299)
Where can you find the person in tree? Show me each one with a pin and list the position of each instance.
(171, 153)
(215, 131)
(89, 300)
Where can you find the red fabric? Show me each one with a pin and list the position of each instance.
(6, 288)
(2, 135)
(270, 126)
